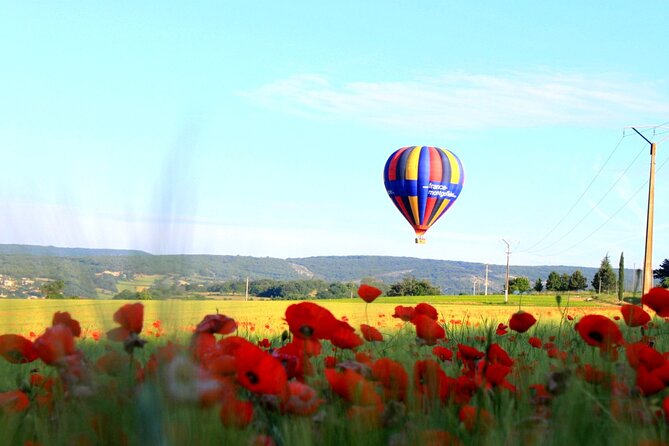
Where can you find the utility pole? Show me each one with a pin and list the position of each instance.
(506, 287)
(486, 279)
(246, 295)
(648, 256)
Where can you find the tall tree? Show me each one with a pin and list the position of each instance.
(520, 284)
(662, 273)
(621, 277)
(538, 285)
(53, 290)
(410, 286)
(577, 281)
(604, 280)
(554, 282)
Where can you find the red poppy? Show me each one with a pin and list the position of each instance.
(258, 371)
(641, 354)
(404, 313)
(14, 401)
(42, 388)
(307, 320)
(599, 331)
(344, 336)
(658, 300)
(534, 342)
(55, 344)
(294, 357)
(428, 329)
(216, 324)
(203, 346)
(302, 347)
(352, 387)
(370, 333)
(368, 293)
(427, 310)
(442, 353)
(17, 349)
(593, 375)
(665, 408)
(648, 382)
(497, 355)
(521, 321)
(473, 417)
(130, 317)
(464, 388)
(634, 316)
(496, 373)
(236, 413)
(501, 329)
(330, 362)
(429, 379)
(467, 353)
(554, 353)
(393, 378)
(64, 318)
(302, 399)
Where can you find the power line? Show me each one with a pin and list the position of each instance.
(592, 209)
(578, 200)
(642, 187)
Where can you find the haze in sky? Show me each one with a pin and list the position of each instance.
(262, 128)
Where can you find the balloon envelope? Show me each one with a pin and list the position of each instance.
(423, 183)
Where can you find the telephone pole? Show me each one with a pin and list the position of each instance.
(486, 279)
(648, 256)
(506, 287)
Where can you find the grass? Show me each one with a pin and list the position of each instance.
(139, 283)
(124, 411)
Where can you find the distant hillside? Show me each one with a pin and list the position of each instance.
(452, 277)
(82, 269)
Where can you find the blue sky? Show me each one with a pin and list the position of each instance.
(262, 128)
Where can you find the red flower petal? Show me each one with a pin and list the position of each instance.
(370, 333)
(634, 316)
(658, 300)
(130, 317)
(368, 293)
(64, 318)
(521, 321)
(599, 331)
(428, 329)
(216, 323)
(17, 349)
(56, 343)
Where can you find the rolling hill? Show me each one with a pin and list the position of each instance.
(81, 268)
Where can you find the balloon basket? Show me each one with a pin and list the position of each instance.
(420, 240)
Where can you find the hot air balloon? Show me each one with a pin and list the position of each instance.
(423, 183)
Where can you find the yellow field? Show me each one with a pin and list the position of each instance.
(261, 318)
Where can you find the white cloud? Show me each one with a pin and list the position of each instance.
(469, 101)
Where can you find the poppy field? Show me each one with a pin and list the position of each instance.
(381, 374)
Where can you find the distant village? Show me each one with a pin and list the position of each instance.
(26, 287)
